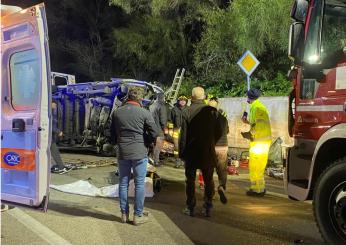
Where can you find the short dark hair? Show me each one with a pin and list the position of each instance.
(136, 93)
(214, 98)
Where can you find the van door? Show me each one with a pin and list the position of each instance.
(25, 108)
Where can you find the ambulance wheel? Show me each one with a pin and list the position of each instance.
(329, 203)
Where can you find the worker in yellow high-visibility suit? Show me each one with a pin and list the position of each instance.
(260, 141)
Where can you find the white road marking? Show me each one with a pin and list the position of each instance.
(39, 229)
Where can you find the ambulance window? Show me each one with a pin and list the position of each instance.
(25, 79)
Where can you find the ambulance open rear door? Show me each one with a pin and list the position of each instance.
(25, 108)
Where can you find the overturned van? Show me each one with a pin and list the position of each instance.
(84, 112)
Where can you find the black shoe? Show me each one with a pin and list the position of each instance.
(222, 195)
(157, 164)
(189, 212)
(66, 170)
(255, 194)
(56, 169)
(60, 169)
(207, 210)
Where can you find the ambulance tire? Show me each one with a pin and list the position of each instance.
(329, 203)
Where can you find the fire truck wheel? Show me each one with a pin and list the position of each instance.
(329, 203)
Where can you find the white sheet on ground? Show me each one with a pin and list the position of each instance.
(83, 187)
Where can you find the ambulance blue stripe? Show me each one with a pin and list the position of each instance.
(20, 140)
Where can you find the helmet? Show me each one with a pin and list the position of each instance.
(183, 97)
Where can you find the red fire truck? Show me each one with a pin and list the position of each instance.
(316, 164)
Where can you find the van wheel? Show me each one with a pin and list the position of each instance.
(329, 203)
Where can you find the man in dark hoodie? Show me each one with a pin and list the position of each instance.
(200, 131)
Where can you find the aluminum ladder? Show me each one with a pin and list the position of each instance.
(172, 93)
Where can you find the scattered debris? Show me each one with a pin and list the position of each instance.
(275, 153)
(277, 173)
(85, 188)
(83, 164)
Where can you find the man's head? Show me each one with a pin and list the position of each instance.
(214, 102)
(182, 101)
(161, 97)
(198, 93)
(252, 95)
(136, 94)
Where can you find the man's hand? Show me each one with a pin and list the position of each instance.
(246, 135)
(61, 134)
(244, 120)
(165, 130)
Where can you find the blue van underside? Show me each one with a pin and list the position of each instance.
(84, 112)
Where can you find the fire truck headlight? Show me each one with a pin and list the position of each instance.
(314, 58)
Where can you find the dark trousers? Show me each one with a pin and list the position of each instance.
(54, 151)
(190, 174)
(221, 165)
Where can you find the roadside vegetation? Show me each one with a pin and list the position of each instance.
(150, 39)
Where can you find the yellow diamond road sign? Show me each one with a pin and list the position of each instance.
(248, 63)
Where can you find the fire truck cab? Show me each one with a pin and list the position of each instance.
(316, 164)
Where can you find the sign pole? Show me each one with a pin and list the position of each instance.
(248, 83)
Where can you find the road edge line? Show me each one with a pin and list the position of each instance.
(39, 229)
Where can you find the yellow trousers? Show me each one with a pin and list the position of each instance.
(258, 160)
(176, 134)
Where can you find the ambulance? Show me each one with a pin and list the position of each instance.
(25, 107)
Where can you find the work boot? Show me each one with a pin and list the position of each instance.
(222, 194)
(207, 209)
(125, 218)
(138, 220)
(189, 212)
(178, 163)
(255, 194)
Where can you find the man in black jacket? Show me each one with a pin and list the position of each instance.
(158, 110)
(135, 129)
(176, 117)
(58, 167)
(221, 150)
(200, 131)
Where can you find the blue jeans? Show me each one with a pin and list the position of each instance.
(139, 171)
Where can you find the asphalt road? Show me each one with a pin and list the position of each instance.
(75, 219)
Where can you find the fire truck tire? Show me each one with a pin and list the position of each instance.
(329, 203)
